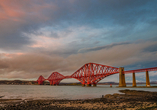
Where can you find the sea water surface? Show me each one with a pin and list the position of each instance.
(59, 92)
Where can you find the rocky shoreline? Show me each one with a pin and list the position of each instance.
(129, 100)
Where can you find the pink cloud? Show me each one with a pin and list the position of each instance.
(19, 10)
(10, 11)
(36, 64)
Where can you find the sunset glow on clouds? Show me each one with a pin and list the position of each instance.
(40, 37)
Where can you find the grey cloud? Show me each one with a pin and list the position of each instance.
(3, 65)
(19, 18)
(29, 16)
(121, 11)
(142, 64)
(63, 51)
(151, 48)
(11, 37)
(119, 55)
(101, 47)
(29, 64)
(34, 15)
(154, 21)
(32, 65)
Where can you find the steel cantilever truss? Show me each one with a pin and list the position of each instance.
(55, 78)
(90, 73)
(40, 80)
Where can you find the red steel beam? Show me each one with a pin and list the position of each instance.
(141, 70)
(90, 73)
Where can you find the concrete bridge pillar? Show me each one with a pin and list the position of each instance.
(147, 79)
(121, 77)
(133, 80)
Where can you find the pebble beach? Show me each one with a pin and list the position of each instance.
(127, 100)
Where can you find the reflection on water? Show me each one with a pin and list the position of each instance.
(60, 92)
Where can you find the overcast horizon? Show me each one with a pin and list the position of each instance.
(38, 37)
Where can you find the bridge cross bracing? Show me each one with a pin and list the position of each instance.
(92, 73)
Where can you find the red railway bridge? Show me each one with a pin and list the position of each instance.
(91, 73)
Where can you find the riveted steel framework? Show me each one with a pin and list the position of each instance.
(55, 78)
(40, 80)
(90, 73)
(141, 70)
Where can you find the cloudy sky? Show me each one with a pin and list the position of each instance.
(38, 37)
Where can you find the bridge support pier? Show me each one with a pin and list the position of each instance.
(133, 80)
(83, 85)
(51, 83)
(94, 85)
(88, 85)
(121, 77)
(41, 83)
(147, 79)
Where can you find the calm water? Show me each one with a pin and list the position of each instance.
(59, 92)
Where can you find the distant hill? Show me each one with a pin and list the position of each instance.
(18, 82)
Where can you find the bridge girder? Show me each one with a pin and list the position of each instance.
(90, 73)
